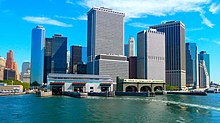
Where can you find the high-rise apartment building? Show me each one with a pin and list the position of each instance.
(55, 55)
(150, 55)
(37, 54)
(192, 72)
(105, 34)
(204, 69)
(175, 52)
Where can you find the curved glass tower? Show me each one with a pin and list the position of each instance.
(37, 54)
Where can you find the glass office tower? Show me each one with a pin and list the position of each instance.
(37, 54)
(192, 65)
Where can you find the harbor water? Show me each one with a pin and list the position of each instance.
(129, 109)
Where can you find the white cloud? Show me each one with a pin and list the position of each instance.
(195, 29)
(217, 42)
(82, 17)
(139, 25)
(64, 17)
(45, 20)
(214, 8)
(139, 8)
(69, 2)
(143, 8)
(206, 21)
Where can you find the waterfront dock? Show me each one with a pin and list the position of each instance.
(43, 94)
(76, 94)
(185, 93)
(145, 94)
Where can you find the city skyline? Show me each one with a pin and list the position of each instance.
(201, 30)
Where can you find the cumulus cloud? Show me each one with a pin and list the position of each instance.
(82, 17)
(139, 8)
(69, 2)
(46, 20)
(142, 8)
(214, 8)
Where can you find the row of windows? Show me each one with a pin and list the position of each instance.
(157, 58)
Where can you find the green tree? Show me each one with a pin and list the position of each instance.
(35, 83)
(25, 85)
(171, 88)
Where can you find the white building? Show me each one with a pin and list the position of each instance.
(59, 83)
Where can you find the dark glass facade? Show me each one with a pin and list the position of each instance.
(175, 52)
(55, 55)
(132, 67)
(75, 57)
(9, 74)
(191, 64)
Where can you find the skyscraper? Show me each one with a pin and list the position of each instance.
(105, 34)
(175, 52)
(132, 67)
(204, 69)
(25, 66)
(10, 64)
(37, 54)
(55, 55)
(10, 60)
(192, 72)
(75, 57)
(150, 55)
(105, 43)
(131, 46)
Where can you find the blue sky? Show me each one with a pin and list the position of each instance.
(68, 17)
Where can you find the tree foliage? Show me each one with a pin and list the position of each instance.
(35, 83)
(171, 88)
(25, 85)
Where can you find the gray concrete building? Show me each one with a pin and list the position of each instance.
(175, 52)
(105, 34)
(151, 55)
(113, 65)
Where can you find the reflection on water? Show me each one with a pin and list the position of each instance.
(171, 108)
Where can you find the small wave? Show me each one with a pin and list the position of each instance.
(163, 101)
